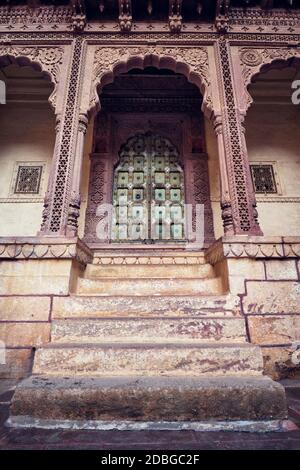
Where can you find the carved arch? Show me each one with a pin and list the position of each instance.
(254, 61)
(47, 60)
(193, 63)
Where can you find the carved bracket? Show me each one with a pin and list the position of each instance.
(125, 16)
(175, 18)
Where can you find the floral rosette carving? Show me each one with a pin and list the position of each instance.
(251, 57)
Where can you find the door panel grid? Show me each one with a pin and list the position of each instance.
(148, 193)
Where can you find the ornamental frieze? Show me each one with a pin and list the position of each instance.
(264, 20)
(268, 248)
(195, 60)
(44, 17)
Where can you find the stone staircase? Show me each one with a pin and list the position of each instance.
(148, 338)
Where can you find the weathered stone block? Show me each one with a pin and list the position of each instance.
(95, 306)
(281, 269)
(281, 362)
(124, 329)
(241, 269)
(23, 277)
(149, 271)
(35, 267)
(139, 287)
(274, 330)
(24, 334)
(39, 285)
(150, 399)
(18, 364)
(24, 308)
(121, 359)
(272, 297)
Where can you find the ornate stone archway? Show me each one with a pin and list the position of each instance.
(253, 61)
(44, 59)
(193, 63)
(175, 124)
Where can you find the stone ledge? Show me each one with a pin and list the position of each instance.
(149, 399)
(241, 246)
(12, 248)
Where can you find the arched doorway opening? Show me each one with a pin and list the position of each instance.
(149, 149)
(273, 142)
(27, 135)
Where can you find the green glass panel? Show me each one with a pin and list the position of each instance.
(138, 194)
(122, 178)
(175, 195)
(176, 231)
(160, 194)
(175, 179)
(138, 178)
(159, 178)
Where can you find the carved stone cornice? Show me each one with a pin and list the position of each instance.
(193, 61)
(253, 59)
(48, 59)
(254, 248)
(39, 248)
(257, 20)
(24, 17)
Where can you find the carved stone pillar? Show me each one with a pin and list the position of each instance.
(54, 163)
(74, 205)
(225, 193)
(99, 187)
(60, 211)
(238, 200)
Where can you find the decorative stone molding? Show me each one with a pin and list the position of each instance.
(48, 59)
(143, 260)
(269, 199)
(252, 60)
(25, 17)
(259, 20)
(253, 247)
(191, 61)
(44, 248)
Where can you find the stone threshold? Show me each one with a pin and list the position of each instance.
(251, 426)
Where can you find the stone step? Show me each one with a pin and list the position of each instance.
(156, 329)
(153, 287)
(144, 359)
(153, 271)
(96, 306)
(147, 399)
